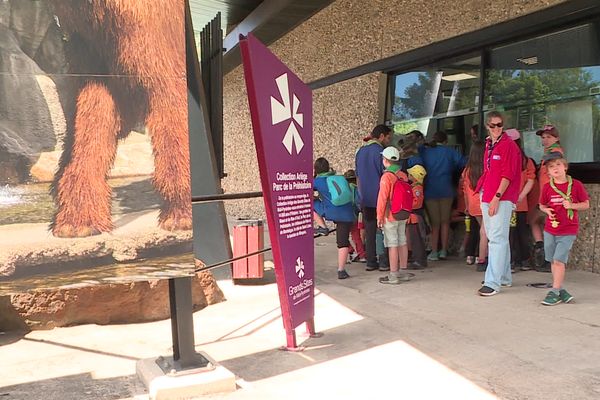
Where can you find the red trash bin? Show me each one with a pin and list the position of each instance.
(248, 237)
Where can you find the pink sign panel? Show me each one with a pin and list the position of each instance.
(281, 110)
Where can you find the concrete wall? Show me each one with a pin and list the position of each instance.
(347, 34)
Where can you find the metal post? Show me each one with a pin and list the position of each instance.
(182, 324)
(185, 360)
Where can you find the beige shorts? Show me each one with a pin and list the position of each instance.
(439, 210)
(394, 233)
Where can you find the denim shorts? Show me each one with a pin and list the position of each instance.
(394, 233)
(557, 248)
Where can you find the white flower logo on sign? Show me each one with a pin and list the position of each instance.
(299, 267)
(288, 110)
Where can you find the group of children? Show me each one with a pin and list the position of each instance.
(546, 210)
(346, 215)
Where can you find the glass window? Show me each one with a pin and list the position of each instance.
(438, 97)
(550, 79)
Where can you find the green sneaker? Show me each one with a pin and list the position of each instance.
(433, 256)
(552, 299)
(443, 254)
(565, 296)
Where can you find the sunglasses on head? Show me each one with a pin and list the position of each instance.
(498, 125)
(548, 127)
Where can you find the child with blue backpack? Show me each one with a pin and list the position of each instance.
(335, 203)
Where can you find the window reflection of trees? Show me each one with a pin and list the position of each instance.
(531, 97)
(431, 95)
(528, 87)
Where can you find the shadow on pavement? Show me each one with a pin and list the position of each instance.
(80, 387)
(79, 348)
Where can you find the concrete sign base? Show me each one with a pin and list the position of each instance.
(184, 384)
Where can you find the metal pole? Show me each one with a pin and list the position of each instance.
(182, 324)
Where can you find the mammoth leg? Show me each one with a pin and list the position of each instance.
(167, 122)
(82, 193)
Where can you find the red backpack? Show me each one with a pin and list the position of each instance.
(401, 201)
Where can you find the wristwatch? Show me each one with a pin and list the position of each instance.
(498, 195)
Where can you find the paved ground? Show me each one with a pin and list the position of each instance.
(429, 338)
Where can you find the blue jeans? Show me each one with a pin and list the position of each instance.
(497, 229)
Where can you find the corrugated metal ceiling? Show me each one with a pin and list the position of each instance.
(232, 12)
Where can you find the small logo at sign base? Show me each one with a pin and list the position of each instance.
(299, 267)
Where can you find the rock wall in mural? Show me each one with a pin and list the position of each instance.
(94, 150)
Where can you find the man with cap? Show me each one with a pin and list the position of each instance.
(369, 168)
(499, 186)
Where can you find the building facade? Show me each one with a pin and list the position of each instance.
(439, 66)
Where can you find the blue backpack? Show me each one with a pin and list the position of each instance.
(339, 190)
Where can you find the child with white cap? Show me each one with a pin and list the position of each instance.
(394, 230)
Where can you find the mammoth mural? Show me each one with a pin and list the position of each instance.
(117, 65)
(142, 45)
(94, 146)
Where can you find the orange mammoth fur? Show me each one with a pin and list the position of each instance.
(127, 64)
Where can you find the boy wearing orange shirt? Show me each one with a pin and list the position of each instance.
(394, 232)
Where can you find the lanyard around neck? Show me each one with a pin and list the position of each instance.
(566, 196)
(491, 147)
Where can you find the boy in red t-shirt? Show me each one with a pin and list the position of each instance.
(561, 199)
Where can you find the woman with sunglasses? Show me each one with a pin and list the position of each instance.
(499, 187)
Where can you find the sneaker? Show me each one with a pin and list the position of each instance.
(358, 258)
(321, 230)
(433, 256)
(384, 268)
(343, 274)
(487, 291)
(372, 267)
(443, 254)
(565, 296)
(470, 260)
(552, 299)
(387, 281)
(416, 265)
(526, 267)
(502, 284)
